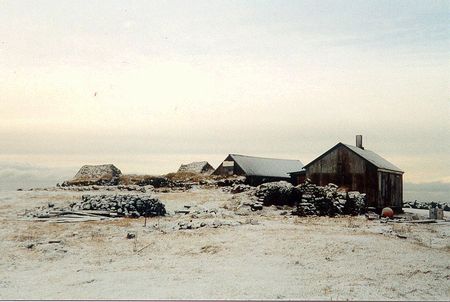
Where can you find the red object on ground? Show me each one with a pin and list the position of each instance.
(387, 212)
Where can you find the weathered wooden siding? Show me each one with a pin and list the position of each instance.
(344, 168)
(222, 170)
(390, 190)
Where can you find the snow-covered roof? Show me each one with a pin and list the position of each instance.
(374, 158)
(368, 155)
(270, 167)
(98, 171)
(196, 167)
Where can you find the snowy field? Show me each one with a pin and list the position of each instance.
(239, 254)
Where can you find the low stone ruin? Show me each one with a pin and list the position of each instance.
(126, 188)
(328, 201)
(95, 175)
(426, 205)
(308, 199)
(230, 181)
(122, 204)
(100, 207)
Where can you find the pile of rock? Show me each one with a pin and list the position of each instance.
(128, 188)
(424, 205)
(123, 205)
(328, 201)
(192, 225)
(277, 193)
(239, 188)
(230, 181)
(104, 175)
(308, 199)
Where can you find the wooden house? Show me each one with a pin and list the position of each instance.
(354, 168)
(258, 170)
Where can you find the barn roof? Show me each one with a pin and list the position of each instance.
(270, 167)
(368, 155)
(374, 158)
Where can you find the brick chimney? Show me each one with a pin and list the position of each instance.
(359, 142)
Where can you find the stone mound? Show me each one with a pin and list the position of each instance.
(309, 199)
(123, 204)
(95, 175)
(201, 167)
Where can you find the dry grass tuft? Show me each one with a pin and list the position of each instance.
(401, 228)
(210, 249)
(122, 222)
(186, 176)
(132, 179)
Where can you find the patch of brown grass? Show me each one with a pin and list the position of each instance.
(122, 222)
(133, 179)
(401, 228)
(36, 230)
(210, 249)
(186, 176)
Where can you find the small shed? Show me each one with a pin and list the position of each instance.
(258, 170)
(199, 167)
(354, 168)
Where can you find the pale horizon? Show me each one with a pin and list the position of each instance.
(148, 86)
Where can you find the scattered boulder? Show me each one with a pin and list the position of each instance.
(231, 181)
(239, 188)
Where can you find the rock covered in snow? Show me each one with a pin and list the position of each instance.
(122, 204)
(424, 205)
(231, 181)
(200, 167)
(328, 201)
(107, 174)
(276, 193)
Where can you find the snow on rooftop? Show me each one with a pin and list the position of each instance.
(196, 167)
(271, 167)
(374, 158)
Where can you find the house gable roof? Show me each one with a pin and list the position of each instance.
(196, 167)
(367, 155)
(270, 167)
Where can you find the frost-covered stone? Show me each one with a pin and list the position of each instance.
(276, 193)
(201, 167)
(123, 205)
(95, 175)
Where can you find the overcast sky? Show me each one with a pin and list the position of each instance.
(148, 85)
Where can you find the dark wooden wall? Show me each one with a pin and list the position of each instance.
(221, 170)
(344, 168)
(390, 190)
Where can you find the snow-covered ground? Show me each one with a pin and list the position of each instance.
(249, 255)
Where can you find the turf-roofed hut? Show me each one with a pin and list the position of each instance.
(199, 167)
(258, 170)
(354, 168)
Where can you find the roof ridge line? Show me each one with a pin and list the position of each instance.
(234, 154)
